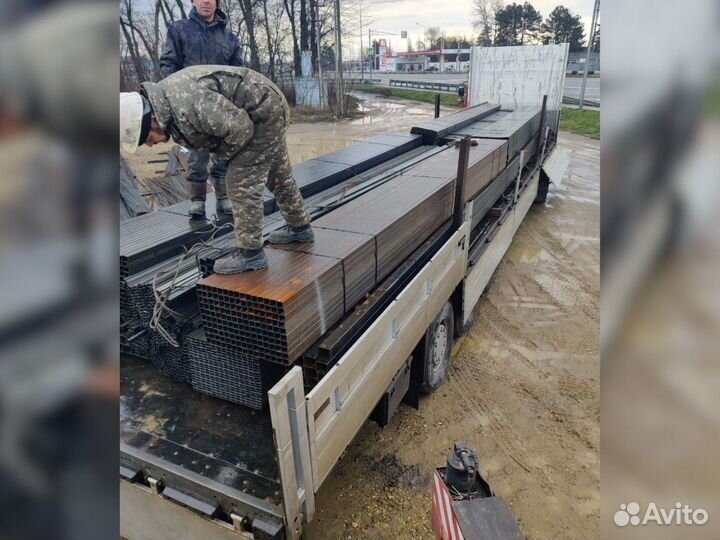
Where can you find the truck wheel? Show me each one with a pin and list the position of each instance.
(543, 186)
(439, 346)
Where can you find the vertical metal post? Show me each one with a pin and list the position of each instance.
(437, 105)
(362, 51)
(338, 61)
(319, 48)
(596, 11)
(543, 113)
(463, 158)
(519, 176)
(372, 56)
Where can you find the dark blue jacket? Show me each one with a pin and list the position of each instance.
(192, 42)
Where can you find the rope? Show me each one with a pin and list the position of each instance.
(161, 297)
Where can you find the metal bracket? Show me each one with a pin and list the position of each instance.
(544, 144)
(155, 485)
(237, 521)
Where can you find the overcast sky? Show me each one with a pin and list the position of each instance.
(451, 16)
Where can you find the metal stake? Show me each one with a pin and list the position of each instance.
(460, 182)
(519, 176)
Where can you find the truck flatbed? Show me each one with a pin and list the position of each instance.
(227, 443)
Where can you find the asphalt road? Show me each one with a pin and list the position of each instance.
(572, 84)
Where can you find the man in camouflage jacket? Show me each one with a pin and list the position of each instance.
(202, 39)
(240, 116)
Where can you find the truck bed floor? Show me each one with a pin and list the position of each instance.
(167, 419)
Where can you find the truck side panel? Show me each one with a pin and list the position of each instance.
(287, 410)
(145, 516)
(480, 274)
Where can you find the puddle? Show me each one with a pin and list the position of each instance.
(382, 115)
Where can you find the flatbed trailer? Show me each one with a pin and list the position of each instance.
(193, 466)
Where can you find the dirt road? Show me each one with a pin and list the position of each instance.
(523, 387)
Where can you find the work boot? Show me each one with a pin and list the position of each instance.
(197, 209)
(222, 205)
(288, 235)
(197, 192)
(241, 260)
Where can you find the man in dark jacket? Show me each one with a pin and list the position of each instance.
(201, 39)
(240, 116)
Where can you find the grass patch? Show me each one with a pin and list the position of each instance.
(447, 100)
(581, 122)
(308, 115)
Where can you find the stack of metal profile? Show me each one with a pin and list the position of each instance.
(379, 208)
(155, 237)
(224, 371)
(400, 214)
(172, 361)
(485, 161)
(134, 339)
(487, 198)
(322, 355)
(516, 127)
(434, 130)
(344, 191)
(316, 175)
(275, 314)
(356, 253)
(132, 203)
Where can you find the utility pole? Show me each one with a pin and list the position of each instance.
(321, 86)
(591, 39)
(362, 51)
(338, 61)
(372, 59)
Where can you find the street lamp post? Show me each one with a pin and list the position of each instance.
(423, 27)
(424, 45)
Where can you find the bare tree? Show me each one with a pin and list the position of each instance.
(268, 36)
(483, 20)
(247, 8)
(183, 15)
(129, 30)
(290, 12)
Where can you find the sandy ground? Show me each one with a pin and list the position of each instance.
(523, 387)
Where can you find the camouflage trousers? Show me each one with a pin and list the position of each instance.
(264, 161)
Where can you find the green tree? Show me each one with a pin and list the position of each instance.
(596, 40)
(561, 26)
(518, 24)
